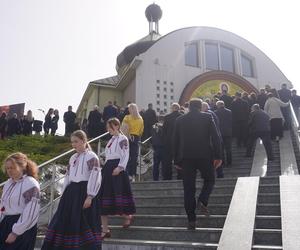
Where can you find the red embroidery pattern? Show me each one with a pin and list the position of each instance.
(123, 144)
(31, 193)
(94, 162)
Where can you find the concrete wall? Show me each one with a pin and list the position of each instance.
(129, 93)
(99, 96)
(165, 61)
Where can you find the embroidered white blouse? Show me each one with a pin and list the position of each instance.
(84, 167)
(21, 197)
(118, 148)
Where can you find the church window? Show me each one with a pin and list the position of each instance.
(247, 66)
(191, 55)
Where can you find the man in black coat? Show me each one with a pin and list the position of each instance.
(225, 121)
(295, 101)
(240, 115)
(197, 146)
(3, 125)
(259, 127)
(95, 123)
(262, 98)
(150, 119)
(168, 142)
(13, 126)
(285, 95)
(226, 99)
(206, 109)
(109, 111)
(69, 120)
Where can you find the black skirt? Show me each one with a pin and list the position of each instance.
(73, 227)
(276, 125)
(115, 193)
(26, 241)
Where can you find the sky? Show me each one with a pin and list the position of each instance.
(51, 49)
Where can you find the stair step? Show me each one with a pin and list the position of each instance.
(213, 221)
(155, 245)
(215, 209)
(214, 198)
(210, 235)
(267, 237)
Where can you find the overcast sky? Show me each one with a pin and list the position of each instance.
(51, 49)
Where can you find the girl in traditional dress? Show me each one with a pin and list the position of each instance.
(76, 223)
(115, 194)
(20, 204)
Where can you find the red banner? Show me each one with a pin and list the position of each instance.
(14, 108)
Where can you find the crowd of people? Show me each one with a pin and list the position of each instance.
(195, 137)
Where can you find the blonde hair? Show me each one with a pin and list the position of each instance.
(82, 136)
(134, 111)
(28, 166)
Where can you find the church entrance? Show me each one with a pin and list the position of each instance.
(211, 83)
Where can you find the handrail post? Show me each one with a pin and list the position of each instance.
(140, 161)
(99, 148)
(52, 192)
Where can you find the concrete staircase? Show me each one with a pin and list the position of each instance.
(160, 222)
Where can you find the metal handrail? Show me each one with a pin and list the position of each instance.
(55, 180)
(54, 168)
(140, 156)
(295, 125)
(70, 151)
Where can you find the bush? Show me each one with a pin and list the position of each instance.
(38, 148)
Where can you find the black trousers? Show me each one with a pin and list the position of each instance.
(266, 139)
(276, 128)
(167, 164)
(157, 159)
(133, 155)
(287, 117)
(190, 167)
(227, 149)
(241, 132)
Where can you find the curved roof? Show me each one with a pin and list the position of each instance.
(133, 50)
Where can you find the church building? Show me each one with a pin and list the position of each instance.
(189, 62)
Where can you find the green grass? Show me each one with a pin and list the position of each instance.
(37, 148)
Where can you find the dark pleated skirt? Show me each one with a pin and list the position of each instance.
(26, 241)
(73, 227)
(115, 196)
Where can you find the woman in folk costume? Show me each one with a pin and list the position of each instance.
(115, 194)
(20, 204)
(76, 223)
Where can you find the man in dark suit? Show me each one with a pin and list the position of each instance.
(197, 146)
(295, 101)
(240, 115)
(69, 120)
(109, 111)
(226, 99)
(150, 119)
(225, 121)
(262, 98)
(285, 95)
(259, 127)
(95, 122)
(168, 142)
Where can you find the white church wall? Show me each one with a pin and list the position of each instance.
(165, 61)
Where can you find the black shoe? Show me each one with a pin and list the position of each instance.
(203, 209)
(191, 225)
